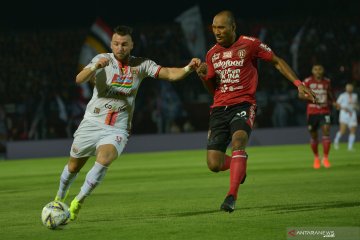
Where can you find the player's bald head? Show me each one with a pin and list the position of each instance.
(224, 28)
(349, 88)
(227, 16)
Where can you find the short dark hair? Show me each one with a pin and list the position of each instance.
(123, 30)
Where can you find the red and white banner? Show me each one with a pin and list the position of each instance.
(97, 41)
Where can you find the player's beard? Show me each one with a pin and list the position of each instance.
(123, 57)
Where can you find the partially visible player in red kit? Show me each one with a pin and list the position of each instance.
(230, 75)
(318, 115)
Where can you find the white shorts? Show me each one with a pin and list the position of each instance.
(89, 136)
(348, 119)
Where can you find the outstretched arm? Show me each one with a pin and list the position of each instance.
(175, 74)
(88, 73)
(304, 92)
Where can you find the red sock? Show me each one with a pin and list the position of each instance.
(314, 147)
(226, 163)
(326, 145)
(237, 171)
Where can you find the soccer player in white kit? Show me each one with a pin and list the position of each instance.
(348, 104)
(105, 127)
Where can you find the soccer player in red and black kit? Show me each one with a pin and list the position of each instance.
(318, 115)
(230, 75)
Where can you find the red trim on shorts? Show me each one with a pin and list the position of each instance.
(157, 72)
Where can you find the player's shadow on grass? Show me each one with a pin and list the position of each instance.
(289, 208)
(197, 213)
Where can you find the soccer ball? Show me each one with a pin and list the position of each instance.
(54, 214)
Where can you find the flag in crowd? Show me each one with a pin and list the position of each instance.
(97, 41)
(192, 26)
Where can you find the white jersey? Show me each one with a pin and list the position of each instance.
(348, 102)
(116, 86)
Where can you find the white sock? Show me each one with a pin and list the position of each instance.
(337, 137)
(93, 178)
(351, 140)
(66, 179)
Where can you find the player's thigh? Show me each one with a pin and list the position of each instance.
(313, 122)
(325, 124)
(75, 164)
(241, 125)
(344, 119)
(85, 139)
(353, 129)
(219, 132)
(343, 127)
(353, 123)
(110, 146)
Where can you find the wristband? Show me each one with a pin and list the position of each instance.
(93, 68)
(297, 83)
(187, 69)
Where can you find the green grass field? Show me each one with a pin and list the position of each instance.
(172, 195)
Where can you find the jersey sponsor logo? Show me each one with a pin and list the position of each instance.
(232, 88)
(265, 47)
(241, 53)
(229, 75)
(115, 108)
(124, 81)
(229, 63)
(225, 88)
(227, 54)
(215, 57)
(321, 96)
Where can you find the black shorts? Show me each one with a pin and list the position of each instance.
(318, 120)
(224, 121)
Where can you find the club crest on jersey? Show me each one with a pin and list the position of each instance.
(96, 110)
(227, 54)
(134, 70)
(241, 53)
(215, 57)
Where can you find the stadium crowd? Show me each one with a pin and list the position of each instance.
(40, 100)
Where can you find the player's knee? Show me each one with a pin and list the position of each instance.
(214, 165)
(239, 143)
(106, 155)
(73, 167)
(239, 140)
